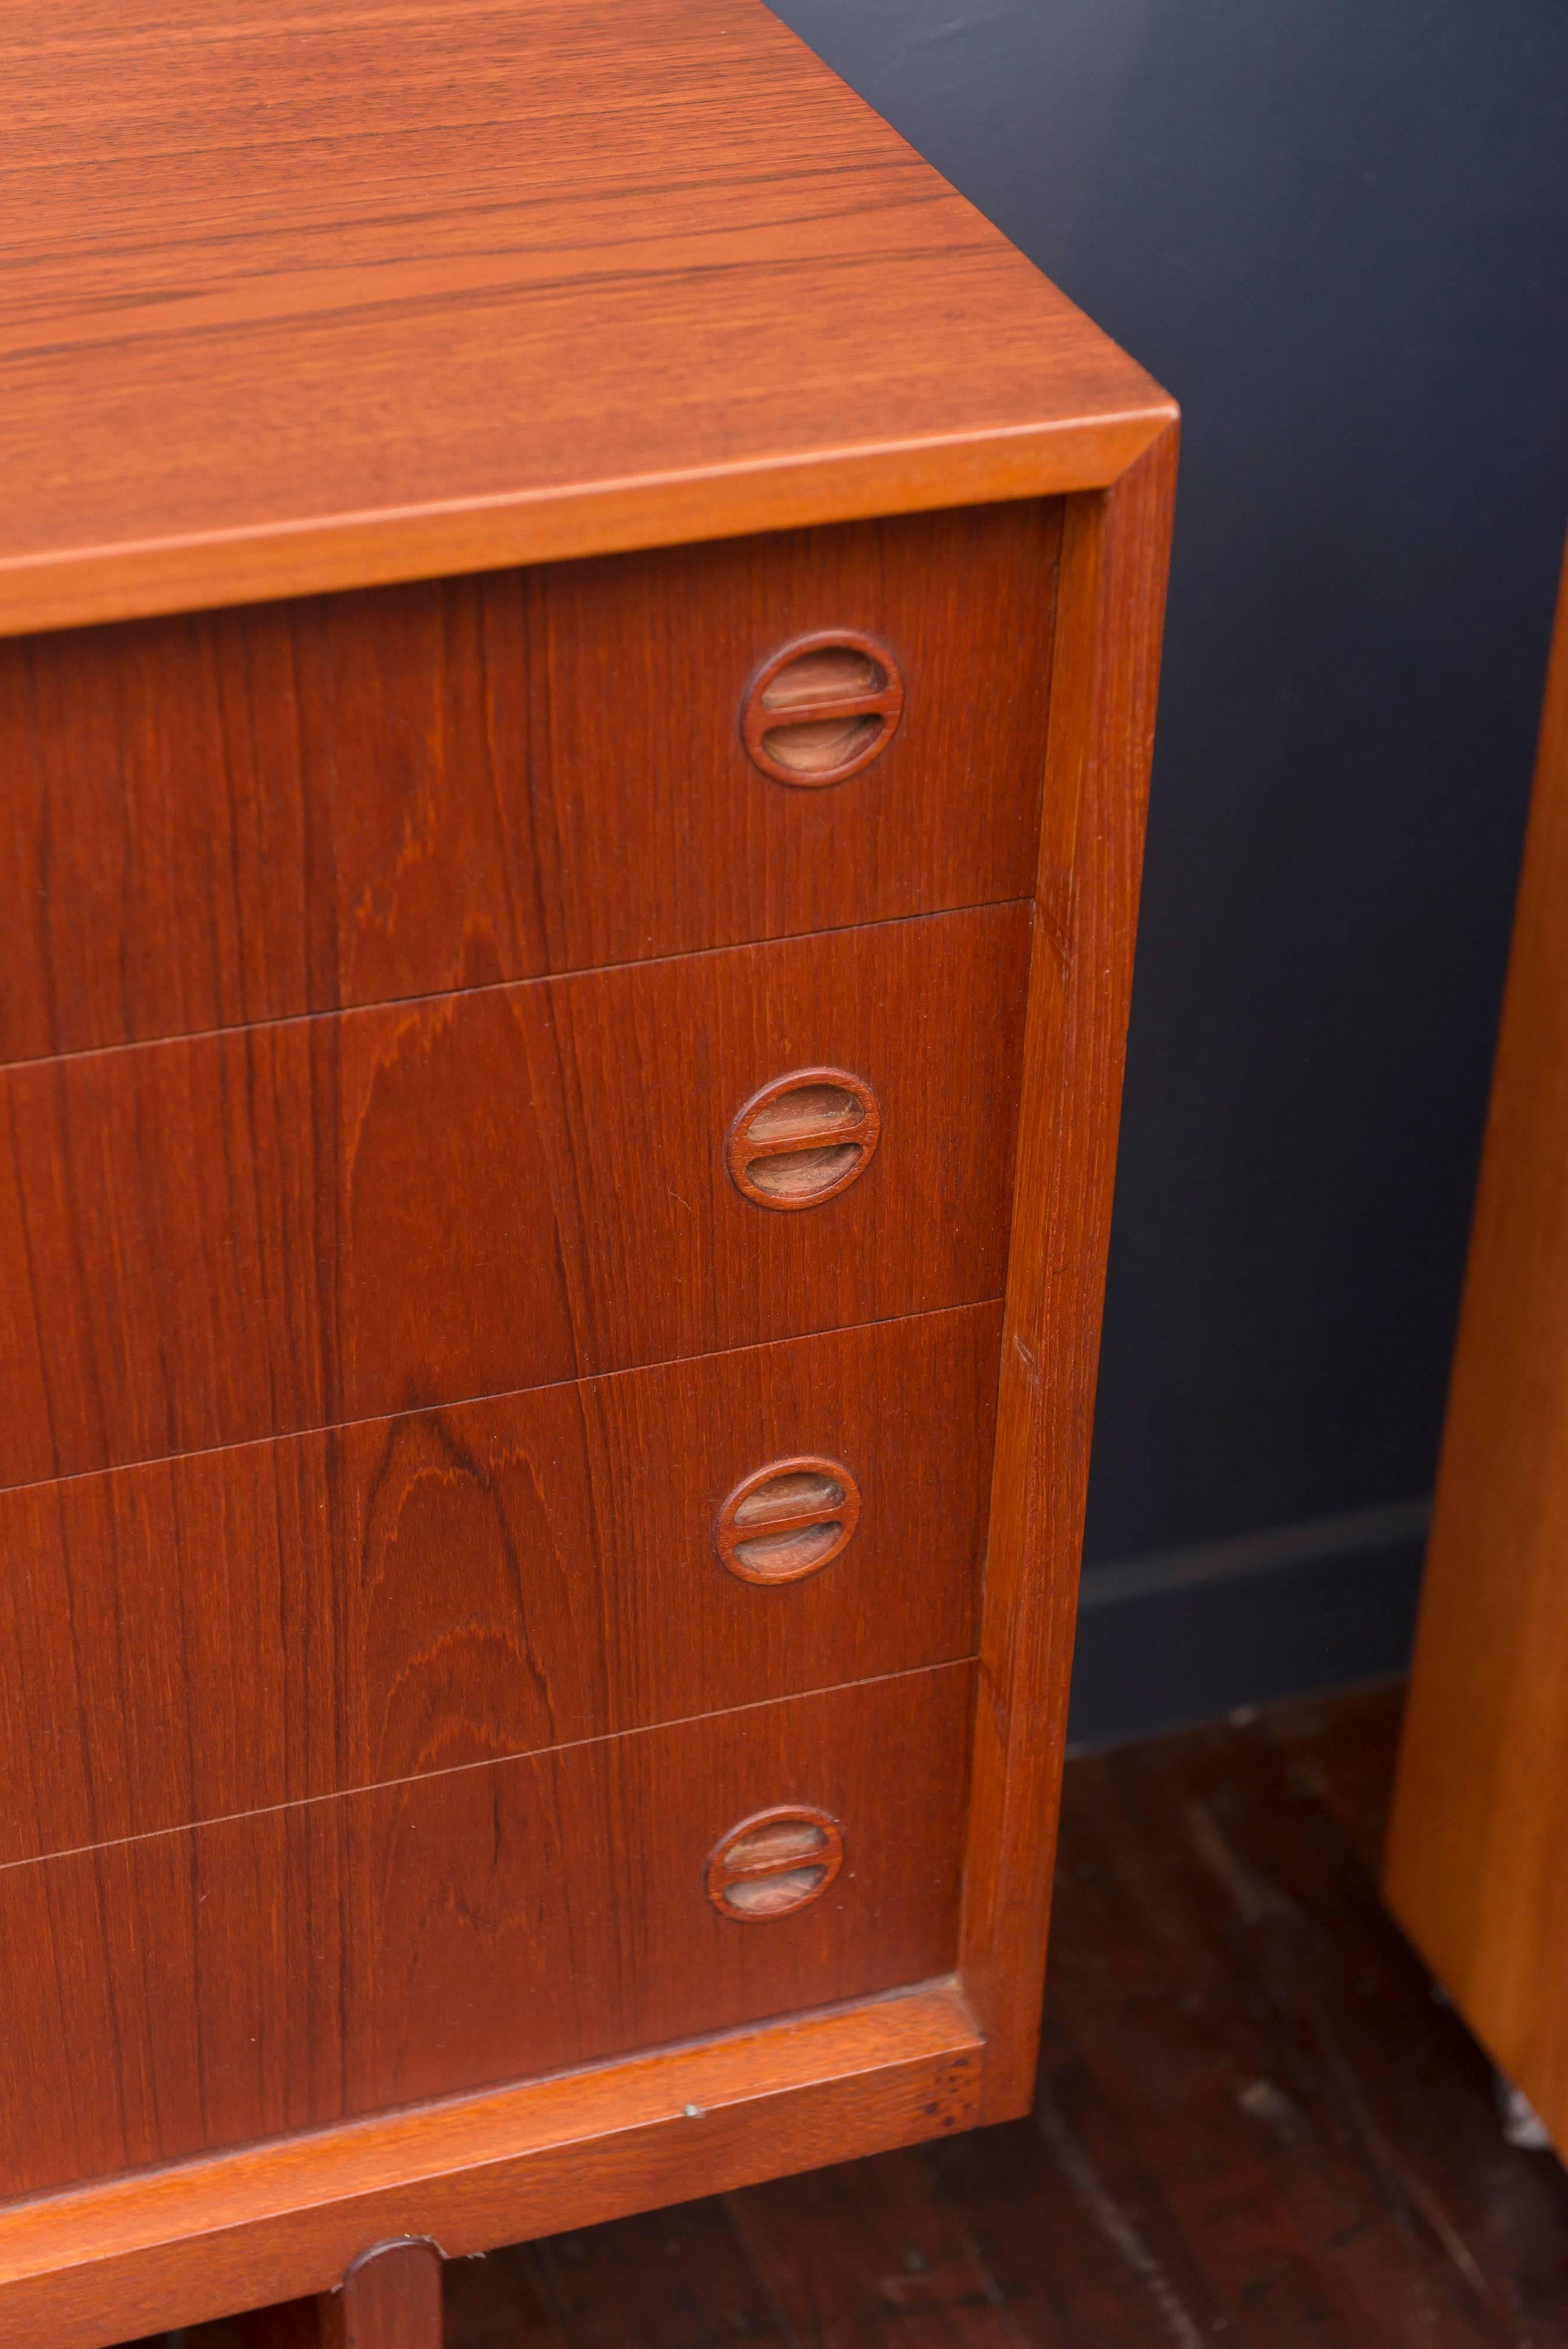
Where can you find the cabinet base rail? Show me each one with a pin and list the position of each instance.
(362, 2210)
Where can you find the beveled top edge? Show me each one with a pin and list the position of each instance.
(401, 288)
(78, 587)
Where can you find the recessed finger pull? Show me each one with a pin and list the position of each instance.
(823, 707)
(788, 1519)
(803, 1138)
(774, 1862)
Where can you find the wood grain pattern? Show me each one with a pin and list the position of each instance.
(409, 289)
(236, 1630)
(247, 815)
(391, 2299)
(1114, 554)
(233, 1981)
(242, 1235)
(202, 2239)
(1476, 1858)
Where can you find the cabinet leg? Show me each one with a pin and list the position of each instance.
(391, 2299)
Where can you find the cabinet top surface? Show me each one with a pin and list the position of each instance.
(302, 298)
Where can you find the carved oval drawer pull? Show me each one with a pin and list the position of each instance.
(803, 1138)
(773, 1862)
(788, 1519)
(821, 708)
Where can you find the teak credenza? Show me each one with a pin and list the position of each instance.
(579, 652)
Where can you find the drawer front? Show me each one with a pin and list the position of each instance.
(234, 1630)
(276, 1971)
(246, 816)
(226, 1238)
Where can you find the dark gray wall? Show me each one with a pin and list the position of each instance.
(1337, 230)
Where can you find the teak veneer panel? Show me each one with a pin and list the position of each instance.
(245, 815)
(181, 1992)
(236, 1630)
(250, 1233)
(1475, 1869)
(379, 292)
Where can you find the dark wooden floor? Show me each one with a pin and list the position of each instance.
(1256, 2125)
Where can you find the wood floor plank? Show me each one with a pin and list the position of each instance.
(1344, 1750)
(667, 2280)
(1258, 2032)
(499, 2303)
(1076, 2234)
(871, 2253)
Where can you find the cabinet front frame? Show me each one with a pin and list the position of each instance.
(205, 2238)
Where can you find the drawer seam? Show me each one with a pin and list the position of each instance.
(494, 1761)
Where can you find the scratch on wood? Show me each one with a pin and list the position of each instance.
(1257, 1900)
(1401, 2183)
(1254, 1899)
(1118, 2230)
(1261, 2100)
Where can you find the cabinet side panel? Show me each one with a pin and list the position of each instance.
(1116, 548)
(1475, 1869)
